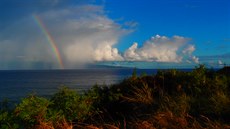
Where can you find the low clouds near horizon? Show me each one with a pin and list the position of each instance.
(85, 34)
(162, 49)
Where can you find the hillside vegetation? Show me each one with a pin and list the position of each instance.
(169, 99)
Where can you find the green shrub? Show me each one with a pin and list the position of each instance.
(169, 99)
(7, 120)
(104, 102)
(178, 105)
(71, 105)
(219, 104)
(32, 110)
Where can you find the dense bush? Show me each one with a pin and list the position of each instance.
(7, 118)
(32, 110)
(168, 99)
(71, 105)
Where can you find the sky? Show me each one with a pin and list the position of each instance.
(68, 34)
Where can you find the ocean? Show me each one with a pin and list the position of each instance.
(17, 84)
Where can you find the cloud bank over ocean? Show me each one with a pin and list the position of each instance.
(76, 33)
(83, 34)
(161, 49)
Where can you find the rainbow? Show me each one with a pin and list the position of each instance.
(50, 40)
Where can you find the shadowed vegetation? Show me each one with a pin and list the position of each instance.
(169, 99)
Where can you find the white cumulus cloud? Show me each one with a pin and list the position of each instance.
(220, 62)
(82, 33)
(160, 49)
(131, 54)
(189, 49)
(85, 34)
(107, 53)
(195, 59)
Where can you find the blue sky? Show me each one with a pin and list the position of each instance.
(144, 34)
(206, 22)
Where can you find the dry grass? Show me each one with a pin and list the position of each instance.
(142, 94)
(63, 124)
(167, 120)
(44, 125)
(102, 126)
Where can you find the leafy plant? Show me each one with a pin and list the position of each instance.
(169, 99)
(32, 110)
(71, 105)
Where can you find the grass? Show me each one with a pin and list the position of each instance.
(170, 99)
(143, 95)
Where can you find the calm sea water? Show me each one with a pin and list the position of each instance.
(16, 84)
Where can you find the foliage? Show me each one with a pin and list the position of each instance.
(71, 105)
(7, 120)
(142, 94)
(32, 110)
(168, 99)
